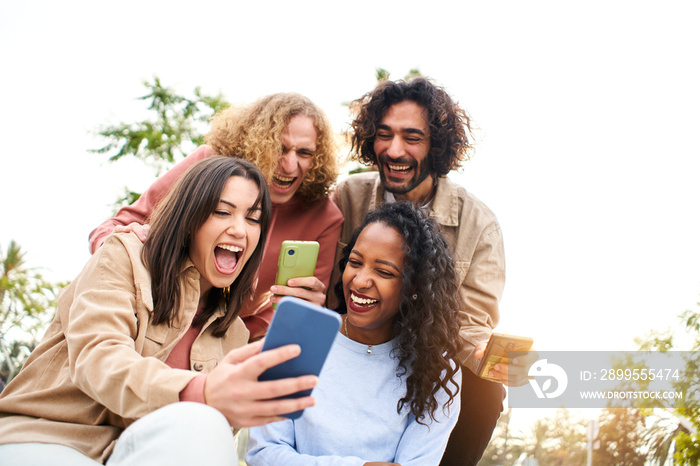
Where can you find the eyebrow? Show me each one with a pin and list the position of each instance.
(380, 261)
(306, 148)
(252, 209)
(404, 130)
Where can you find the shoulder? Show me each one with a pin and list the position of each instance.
(358, 181)
(455, 205)
(356, 190)
(122, 252)
(115, 266)
(200, 153)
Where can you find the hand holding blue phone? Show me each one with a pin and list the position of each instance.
(313, 328)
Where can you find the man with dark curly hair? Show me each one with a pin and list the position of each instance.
(415, 134)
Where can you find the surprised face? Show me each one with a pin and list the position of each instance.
(226, 240)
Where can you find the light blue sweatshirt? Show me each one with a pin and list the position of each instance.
(355, 419)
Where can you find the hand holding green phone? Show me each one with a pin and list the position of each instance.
(296, 259)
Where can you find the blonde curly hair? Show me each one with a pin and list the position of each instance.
(254, 133)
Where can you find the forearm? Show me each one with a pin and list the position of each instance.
(481, 290)
(425, 444)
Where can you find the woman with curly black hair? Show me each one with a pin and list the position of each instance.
(388, 391)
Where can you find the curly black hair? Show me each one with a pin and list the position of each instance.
(450, 126)
(426, 329)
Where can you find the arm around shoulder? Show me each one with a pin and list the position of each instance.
(139, 211)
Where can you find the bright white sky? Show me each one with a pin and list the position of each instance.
(588, 116)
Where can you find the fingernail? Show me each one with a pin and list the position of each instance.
(273, 289)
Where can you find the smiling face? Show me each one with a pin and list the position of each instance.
(402, 144)
(226, 240)
(372, 284)
(298, 149)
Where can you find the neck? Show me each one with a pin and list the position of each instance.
(421, 194)
(361, 336)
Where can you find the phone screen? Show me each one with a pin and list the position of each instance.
(312, 327)
(497, 351)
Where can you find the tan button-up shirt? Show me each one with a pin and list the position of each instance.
(100, 365)
(472, 232)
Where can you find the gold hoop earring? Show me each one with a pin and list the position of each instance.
(227, 295)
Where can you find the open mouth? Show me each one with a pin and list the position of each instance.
(400, 169)
(360, 302)
(283, 182)
(226, 257)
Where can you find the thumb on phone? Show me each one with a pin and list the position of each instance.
(479, 349)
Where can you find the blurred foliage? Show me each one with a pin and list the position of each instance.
(621, 437)
(560, 440)
(684, 429)
(382, 74)
(506, 443)
(177, 124)
(626, 436)
(176, 120)
(27, 303)
(566, 437)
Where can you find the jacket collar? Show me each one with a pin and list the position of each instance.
(445, 206)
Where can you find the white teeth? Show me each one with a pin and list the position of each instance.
(230, 247)
(357, 300)
(399, 168)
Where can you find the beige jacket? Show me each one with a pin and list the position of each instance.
(472, 232)
(100, 365)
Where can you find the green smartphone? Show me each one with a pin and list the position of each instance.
(297, 259)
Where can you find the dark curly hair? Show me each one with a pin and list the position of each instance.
(450, 127)
(426, 330)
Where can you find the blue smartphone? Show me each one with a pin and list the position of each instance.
(312, 327)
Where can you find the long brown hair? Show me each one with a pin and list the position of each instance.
(173, 225)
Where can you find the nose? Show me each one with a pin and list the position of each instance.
(396, 148)
(288, 161)
(362, 279)
(236, 227)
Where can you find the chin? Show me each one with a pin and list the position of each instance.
(279, 198)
